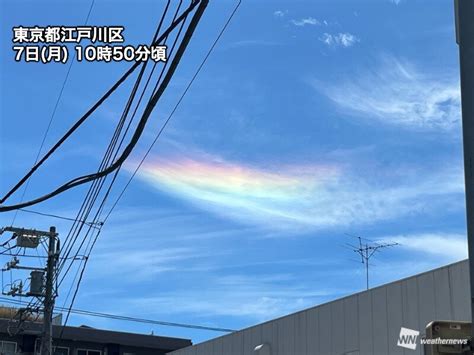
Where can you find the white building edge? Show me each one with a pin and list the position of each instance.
(365, 323)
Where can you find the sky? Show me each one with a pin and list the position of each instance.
(311, 123)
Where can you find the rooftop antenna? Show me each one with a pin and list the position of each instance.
(366, 250)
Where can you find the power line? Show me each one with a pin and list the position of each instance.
(127, 318)
(58, 217)
(98, 183)
(173, 111)
(53, 114)
(168, 119)
(160, 132)
(37, 256)
(147, 108)
(156, 94)
(104, 162)
(45, 135)
(166, 122)
(116, 173)
(95, 188)
(90, 177)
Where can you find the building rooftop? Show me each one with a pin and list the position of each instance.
(88, 334)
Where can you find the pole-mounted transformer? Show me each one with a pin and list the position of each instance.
(41, 279)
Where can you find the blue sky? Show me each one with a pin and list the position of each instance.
(311, 121)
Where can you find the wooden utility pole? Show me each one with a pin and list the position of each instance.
(42, 279)
(47, 336)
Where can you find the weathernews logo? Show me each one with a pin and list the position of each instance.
(408, 338)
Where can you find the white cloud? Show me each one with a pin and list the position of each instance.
(259, 297)
(339, 40)
(252, 43)
(139, 264)
(142, 253)
(446, 245)
(395, 92)
(311, 21)
(396, 2)
(417, 252)
(303, 196)
(280, 13)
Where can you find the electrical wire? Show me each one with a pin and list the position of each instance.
(103, 201)
(91, 201)
(128, 318)
(155, 140)
(147, 109)
(57, 216)
(35, 256)
(140, 100)
(53, 114)
(157, 92)
(115, 175)
(163, 68)
(173, 111)
(45, 135)
(90, 177)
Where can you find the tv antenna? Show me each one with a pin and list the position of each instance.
(366, 250)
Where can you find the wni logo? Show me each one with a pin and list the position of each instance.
(408, 338)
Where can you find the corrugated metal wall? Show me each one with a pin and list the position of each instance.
(366, 323)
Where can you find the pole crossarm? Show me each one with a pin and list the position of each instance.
(41, 278)
(27, 232)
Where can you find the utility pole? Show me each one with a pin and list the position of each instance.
(47, 340)
(41, 286)
(366, 251)
(464, 14)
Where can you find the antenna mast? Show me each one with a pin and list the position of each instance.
(366, 251)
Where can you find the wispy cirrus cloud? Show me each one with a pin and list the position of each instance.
(418, 252)
(450, 245)
(146, 251)
(280, 13)
(306, 21)
(141, 263)
(260, 297)
(396, 92)
(339, 40)
(308, 196)
(253, 43)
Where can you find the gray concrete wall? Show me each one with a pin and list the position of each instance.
(367, 323)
